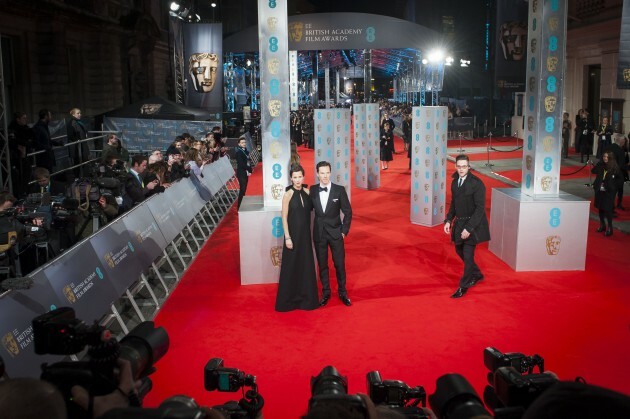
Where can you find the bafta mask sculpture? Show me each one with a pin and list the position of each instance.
(203, 71)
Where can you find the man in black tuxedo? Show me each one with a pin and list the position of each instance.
(135, 187)
(470, 225)
(329, 201)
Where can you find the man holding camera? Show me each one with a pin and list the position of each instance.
(466, 221)
(136, 190)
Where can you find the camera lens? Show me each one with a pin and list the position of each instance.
(454, 398)
(143, 347)
(329, 381)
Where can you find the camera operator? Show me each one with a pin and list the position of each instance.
(114, 146)
(11, 232)
(135, 186)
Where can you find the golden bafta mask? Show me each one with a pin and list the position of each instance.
(417, 124)
(415, 197)
(534, 5)
(363, 178)
(553, 245)
(272, 23)
(203, 68)
(442, 185)
(416, 149)
(528, 162)
(545, 183)
(338, 153)
(319, 127)
(275, 149)
(338, 127)
(362, 161)
(530, 123)
(532, 84)
(150, 108)
(369, 152)
(138, 236)
(328, 140)
(338, 178)
(276, 191)
(427, 162)
(550, 103)
(276, 256)
(67, 291)
(9, 343)
(547, 143)
(426, 187)
(416, 173)
(319, 153)
(110, 261)
(554, 22)
(626, 74)
(328, 115)
(363, 126)
(532, 45)
(295, 31)
(552, 64)
(345, 164)
(376, 161)
(427, 138)
(437, 150)
(435, 199)
(274, 107)
(435, 175)
(426, 211)
(273, 65)
(428, 113)
(441, 209)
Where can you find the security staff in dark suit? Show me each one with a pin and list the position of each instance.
(243, 168)
(329, 202)
(135, 186)
(466, 221)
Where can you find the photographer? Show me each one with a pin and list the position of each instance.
(11, 233)
(44, 184)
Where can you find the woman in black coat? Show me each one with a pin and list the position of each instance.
(608, 179)
(387, 145)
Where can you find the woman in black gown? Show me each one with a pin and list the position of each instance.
(297, 288)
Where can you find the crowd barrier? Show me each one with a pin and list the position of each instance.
(122, 274)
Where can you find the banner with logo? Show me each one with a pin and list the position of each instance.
(341, 149)
(16, 331)
(428, 165)
(623, 66)
(140, 135)
(293, 79)
(323, 131)
(274, 98)
(164, 215)
(211, 178)
(367, 174)
(147, 237)
(203, 66)
(114, 246)
(511, 47)
(79, 280)
(544, 98)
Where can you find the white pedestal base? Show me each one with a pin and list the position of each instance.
(542, 234)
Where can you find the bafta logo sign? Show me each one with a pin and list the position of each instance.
(274, 107)
(203, 69)
(9, 343)
(276, 256)
(67, 291)
(276, 191)
(296, 29)
(553, 245)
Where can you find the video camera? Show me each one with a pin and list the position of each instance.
(55, 211)
(329, 392)
(59, 332)
(513, 386)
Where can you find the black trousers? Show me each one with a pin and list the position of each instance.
(242, 187)
(339, 260)
(466, 253)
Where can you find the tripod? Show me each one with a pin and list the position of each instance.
(97, 218)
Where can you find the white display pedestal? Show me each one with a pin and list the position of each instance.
(260, 241)
(542, 234)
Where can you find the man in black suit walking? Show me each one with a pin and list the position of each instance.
(329, 202)
(466, 221)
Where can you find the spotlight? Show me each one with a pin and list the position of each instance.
(174, 6)
(425, 61)
(213, 4)
(464, 63)
(436, 56)
(249, 62)
(448, 61)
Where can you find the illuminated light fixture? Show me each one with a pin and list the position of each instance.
(449, 60)
(175, 6)
(436, 56)
(425, 61)
(464, 63)
(213, 4)
(249, 62)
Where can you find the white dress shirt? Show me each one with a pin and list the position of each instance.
(323, 195)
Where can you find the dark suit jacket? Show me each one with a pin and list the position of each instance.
(134, 189)
(56, 188)
(468, 209)
(330, 220)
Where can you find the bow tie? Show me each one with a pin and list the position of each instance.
(323, 188)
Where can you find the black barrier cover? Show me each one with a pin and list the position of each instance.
(164, 214)
(147, 237)
(79, 280)
(117, 254)
(18, 309)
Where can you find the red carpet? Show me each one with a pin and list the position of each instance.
(402, 322)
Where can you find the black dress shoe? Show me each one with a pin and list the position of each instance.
(476, 279)
(459, 293)
(608, 232)
(345, 300)
(600, 229)
(324, 301)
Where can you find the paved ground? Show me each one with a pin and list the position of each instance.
(575, 187)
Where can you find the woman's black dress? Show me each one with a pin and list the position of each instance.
(387, 145)
(297, 288)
